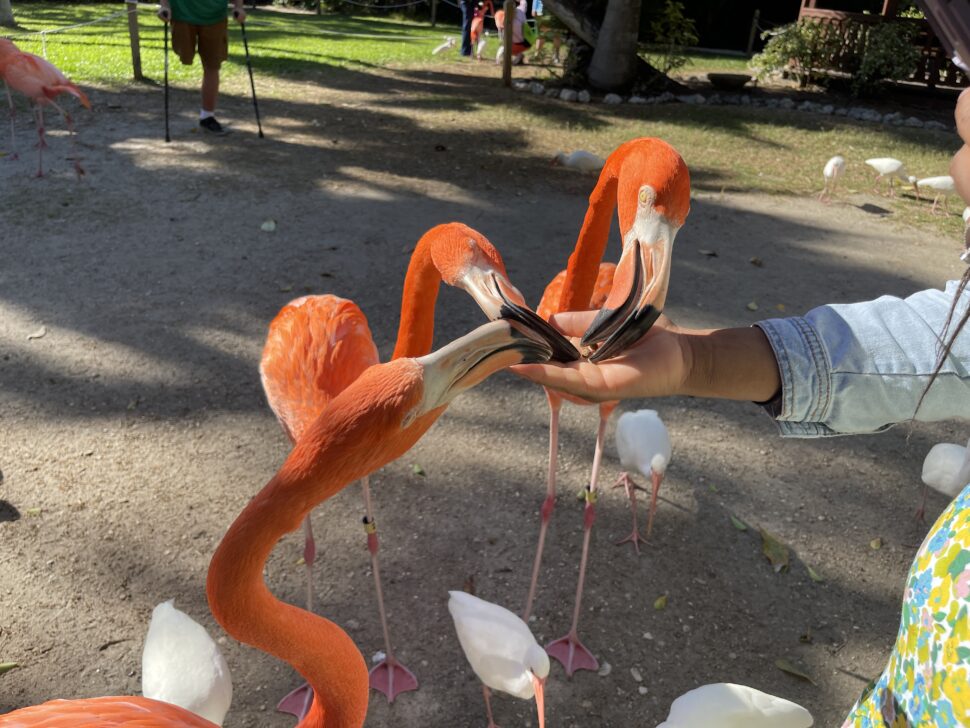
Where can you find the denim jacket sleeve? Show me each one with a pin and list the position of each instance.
(861, 367)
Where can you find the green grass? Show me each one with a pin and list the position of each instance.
(732, 148)
(282, 43)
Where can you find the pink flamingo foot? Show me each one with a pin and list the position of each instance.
(635, 538)
(572, 654)
(392, 678)
(297, 702)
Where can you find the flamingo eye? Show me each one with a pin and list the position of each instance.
(644, 197)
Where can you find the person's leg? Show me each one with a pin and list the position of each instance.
(213, 50)
(467, 13)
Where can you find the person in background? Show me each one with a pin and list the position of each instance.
(201, 25)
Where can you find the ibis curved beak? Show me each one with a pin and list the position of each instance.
(540, 685)
(639, 290)
(499, 299)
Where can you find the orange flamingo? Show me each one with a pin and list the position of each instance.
(317, 345)
(41, 82)
(648, 184)
(372, 422)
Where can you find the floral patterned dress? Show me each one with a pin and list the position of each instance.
(927, 680)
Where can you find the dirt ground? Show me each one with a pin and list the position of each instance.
(133, 306)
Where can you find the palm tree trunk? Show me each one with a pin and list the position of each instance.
(614, 64)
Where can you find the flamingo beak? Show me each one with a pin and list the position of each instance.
(469, 360)
(540, 686)
(638, 295)
(499, 299)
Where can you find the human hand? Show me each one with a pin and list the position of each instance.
(165, 13)
(655, 366)
(239, 14)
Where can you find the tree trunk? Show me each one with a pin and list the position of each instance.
(614, 64)
(586, 25)
(6, 14)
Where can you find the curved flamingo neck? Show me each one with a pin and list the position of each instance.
(360, 432)
(415, 333)
(583, 266)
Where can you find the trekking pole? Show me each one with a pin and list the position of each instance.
(252, 84)
(168, 137)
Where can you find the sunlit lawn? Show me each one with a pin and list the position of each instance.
(734, 148)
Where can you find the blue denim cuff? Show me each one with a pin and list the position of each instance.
(806, 377)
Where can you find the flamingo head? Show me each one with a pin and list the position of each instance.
(466, 259)
(653, 200)
(469, 360)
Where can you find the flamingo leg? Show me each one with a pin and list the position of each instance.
(569, 650)
(631, 487)
(298, 701)
(41, 142)
(549, 504)
(13, 115)
(657, 479)
(389, 676)
(69, 121)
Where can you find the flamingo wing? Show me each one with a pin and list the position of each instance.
(316, 346)
(109, 712)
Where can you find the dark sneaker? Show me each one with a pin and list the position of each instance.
(210, 124)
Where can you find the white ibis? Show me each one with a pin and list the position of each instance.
(943, 186)
(725, 705)
(834, 168)
(946, 469)
(182, 665)
(644, 445)
(449, 43)
(580, 159)
(501, 650)
(893, 169)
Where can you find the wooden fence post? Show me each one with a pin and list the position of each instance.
(509, 23)
(434, 12)
(133, 36)
(754, 29)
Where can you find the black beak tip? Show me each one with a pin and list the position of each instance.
(596, 330)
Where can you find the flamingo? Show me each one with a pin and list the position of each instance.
(892, 168)
(943, 186)
(375, 420)
(41, 82)
(478, 27)
(317, 345)
(946, 469)
(725, 705)
(181, 664)
(834, 168)
(643, 444)
(647, 182)
(501, 650)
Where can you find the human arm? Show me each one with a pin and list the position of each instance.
(841, 368)
(734, 363)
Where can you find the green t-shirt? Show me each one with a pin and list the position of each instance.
(199, 12)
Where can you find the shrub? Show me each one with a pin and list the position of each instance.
(888, 53)
(671, 32)
(804, 49)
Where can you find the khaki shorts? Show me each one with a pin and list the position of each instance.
(211, 40)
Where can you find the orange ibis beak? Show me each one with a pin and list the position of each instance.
(540, 685)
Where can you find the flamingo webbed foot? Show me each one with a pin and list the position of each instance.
(392, 678)
(572, 654)
(297, 702)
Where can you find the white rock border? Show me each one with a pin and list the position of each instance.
(859, 113)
